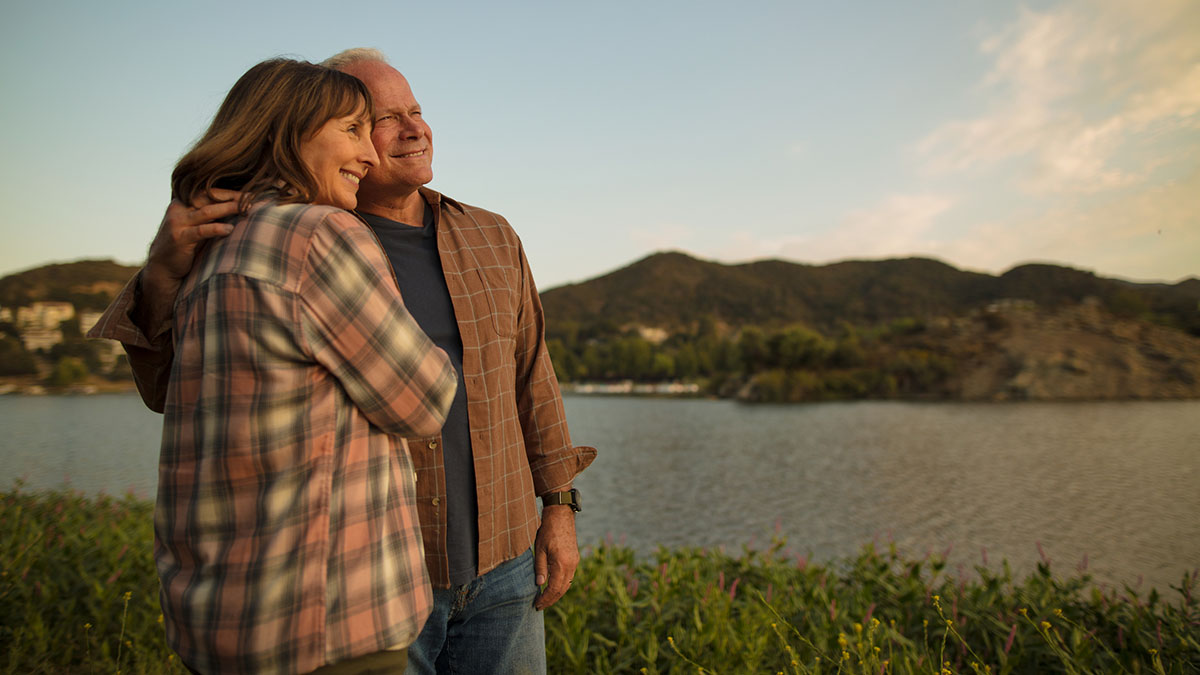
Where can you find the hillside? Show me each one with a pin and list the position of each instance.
(87, 284)
(912, 328)
(775, 330)
(674, 291)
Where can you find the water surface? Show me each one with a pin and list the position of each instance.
(1117, 483)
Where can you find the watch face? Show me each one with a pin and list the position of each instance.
(578, 505)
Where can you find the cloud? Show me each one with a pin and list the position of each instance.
(1149, 234)
(1085, 94)
(1153, 234)
(900, 225)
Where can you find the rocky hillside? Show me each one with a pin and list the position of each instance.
(1020, 352)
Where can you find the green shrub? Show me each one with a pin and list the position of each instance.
(78, 594)
(78, 588)
(768, 612)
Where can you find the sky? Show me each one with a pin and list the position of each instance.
(985, 134)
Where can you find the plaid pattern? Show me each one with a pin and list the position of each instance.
(518, 427)
(285, 533)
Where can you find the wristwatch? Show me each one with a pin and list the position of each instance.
(570, 498)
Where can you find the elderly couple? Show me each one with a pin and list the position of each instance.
(348, 480)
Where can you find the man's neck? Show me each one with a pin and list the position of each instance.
(408, 209)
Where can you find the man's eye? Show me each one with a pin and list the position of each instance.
(385, 118)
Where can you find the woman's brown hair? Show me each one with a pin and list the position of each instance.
(253, 143)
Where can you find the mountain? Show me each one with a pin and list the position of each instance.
(88, 284)
(674, 291)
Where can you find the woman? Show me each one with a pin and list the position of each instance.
(286, 533)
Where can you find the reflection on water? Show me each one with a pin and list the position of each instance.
(1115, 482)
(90, 443)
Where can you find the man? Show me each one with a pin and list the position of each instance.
(464, 278)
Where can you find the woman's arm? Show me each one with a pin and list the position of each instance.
(357, 326)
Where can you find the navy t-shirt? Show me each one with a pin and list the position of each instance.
(414, 255)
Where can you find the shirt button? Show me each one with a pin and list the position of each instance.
(433, 445)
(436, 501)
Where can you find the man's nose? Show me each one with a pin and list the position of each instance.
(410, 128)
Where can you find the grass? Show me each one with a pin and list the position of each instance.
(78, 594)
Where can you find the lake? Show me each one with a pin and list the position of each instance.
(1114, 486)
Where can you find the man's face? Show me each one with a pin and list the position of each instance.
(401, 137)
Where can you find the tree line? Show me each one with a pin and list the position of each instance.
(787, 363)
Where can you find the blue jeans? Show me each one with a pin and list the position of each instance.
(486, 626)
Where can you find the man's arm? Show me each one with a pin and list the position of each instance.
(553, 461)
(140, 316)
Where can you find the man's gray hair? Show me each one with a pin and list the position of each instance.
(358, 54)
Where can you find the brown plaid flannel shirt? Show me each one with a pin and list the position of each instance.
(285, 530)
(518, 428)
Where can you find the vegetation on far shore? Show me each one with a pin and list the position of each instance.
(78, 594)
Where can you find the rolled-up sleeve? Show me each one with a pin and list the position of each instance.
(553, 461)
(150, 354)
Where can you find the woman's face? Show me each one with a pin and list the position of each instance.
(339, 155)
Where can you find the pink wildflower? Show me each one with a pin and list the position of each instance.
(1042, 552)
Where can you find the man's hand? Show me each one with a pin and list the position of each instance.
(182, 231)
(173, 251)
(555, 554)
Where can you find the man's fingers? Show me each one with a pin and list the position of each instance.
(555, 589)
(539, 565)
(205, 231)
(226, 195)
(212, 212)
(219, 196)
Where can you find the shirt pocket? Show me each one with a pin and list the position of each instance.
(502, 297)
